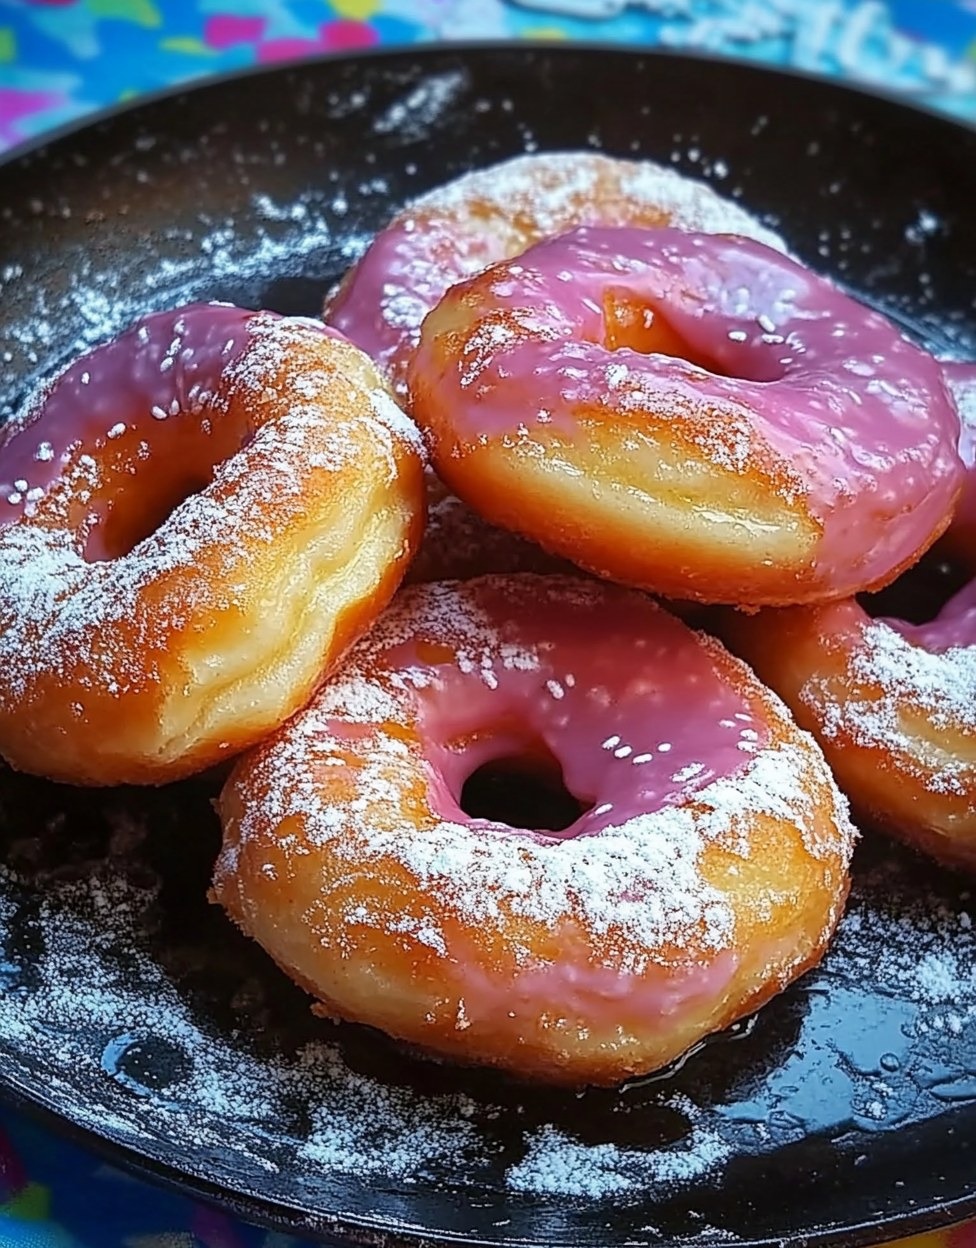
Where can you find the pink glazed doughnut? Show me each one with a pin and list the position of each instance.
(196, 519)
(706, 869)
(892, 703)
(696, 415)
(455, 231)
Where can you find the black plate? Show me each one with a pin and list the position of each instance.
(845, 1112)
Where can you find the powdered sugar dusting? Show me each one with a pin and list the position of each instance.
(95, 982)
(895, 687)
(357, 1125)
(411, 116)
(916, 947)
(396, 423)
(551, 188)
(97, 993)
(557, 1165)
(301, 236)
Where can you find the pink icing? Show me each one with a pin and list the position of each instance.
(165, 366)
(148, 392)
(862, 416)
(575, 987)
(955, 625)
(382, 324)
(614, 926)
(961, 378)
(637, 723)
(640, 721)
(491, 214)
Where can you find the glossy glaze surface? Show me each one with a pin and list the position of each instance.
(715, 331)
(163, 371)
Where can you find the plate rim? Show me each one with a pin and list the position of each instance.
(377, 1232)
(273, 1214)
(465, 47)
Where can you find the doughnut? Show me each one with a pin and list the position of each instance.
(457, 230)
(892, 703)
(196, 519)
(695, 415)
(458, 544)
(701, 868)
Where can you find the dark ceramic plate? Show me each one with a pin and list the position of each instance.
(845, 1112)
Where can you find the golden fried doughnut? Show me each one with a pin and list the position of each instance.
(704, 867)
(195, 520)
(695, 415)
(894, 712)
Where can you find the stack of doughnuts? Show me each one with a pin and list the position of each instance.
(633, 399)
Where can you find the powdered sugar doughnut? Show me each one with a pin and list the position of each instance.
(892, 703)
(692, 414)
(457, 230)
(195, 520)
(706, 869)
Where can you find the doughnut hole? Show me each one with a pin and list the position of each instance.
(635, 324)
(144, 480)
(125, 525)
(525, 790)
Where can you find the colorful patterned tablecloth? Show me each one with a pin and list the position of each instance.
(62, 59)
(59, 59)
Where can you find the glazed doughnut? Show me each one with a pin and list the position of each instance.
(493, 214)
(195, 520)
(458, 544)
(706, 869)
(696, 415)
(892, 703)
